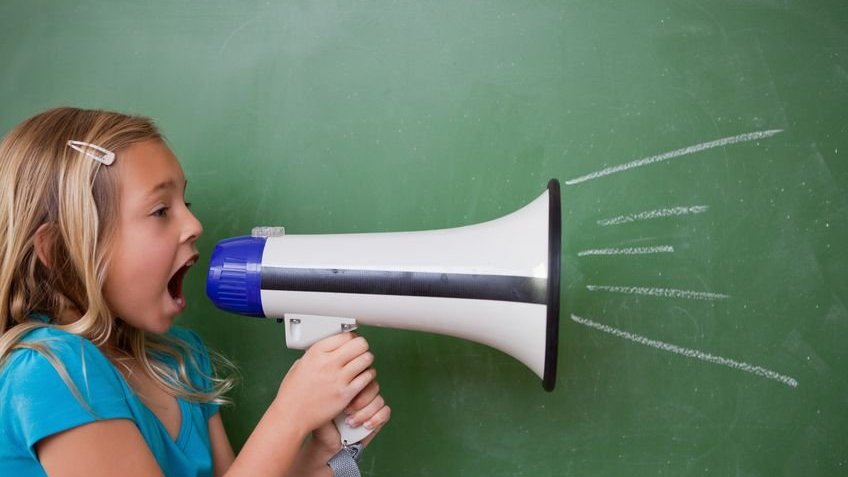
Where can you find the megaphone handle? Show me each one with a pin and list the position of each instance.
(302, 331)
(350, 435)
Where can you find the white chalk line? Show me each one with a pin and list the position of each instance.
(627, 251)
(676, 153)
(661, 292)
(654, 214)
(689, 353)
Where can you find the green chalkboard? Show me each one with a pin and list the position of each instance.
(701, 148)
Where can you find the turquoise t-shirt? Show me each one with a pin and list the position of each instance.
(35, 403)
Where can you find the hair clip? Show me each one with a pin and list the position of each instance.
(106, 157)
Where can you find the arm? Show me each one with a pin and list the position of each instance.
(222, 451)
(116, 447)
(368, 407)
(316, 388)
(98, 449)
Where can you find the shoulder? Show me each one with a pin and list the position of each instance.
(56, 381)
(51, 334)
(49, 346)
(49, 358)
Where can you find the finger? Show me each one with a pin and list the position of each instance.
(364, 398)
(379, 421)
(367, 412)
(351, 350)
(332, 343)
(360, 382)
(370, 437)
(359, 364)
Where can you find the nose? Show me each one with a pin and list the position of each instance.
(192, 229)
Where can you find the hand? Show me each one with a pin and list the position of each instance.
(327, 378)
(326, 441)
(368, 409)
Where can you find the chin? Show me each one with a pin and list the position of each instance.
(162, 327)
(158, 326)
(160, 330)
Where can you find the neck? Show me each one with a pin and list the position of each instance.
(70, 315)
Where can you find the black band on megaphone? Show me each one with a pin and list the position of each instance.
(404, 283)
(553, 286)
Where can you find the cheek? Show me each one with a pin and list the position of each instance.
(139, 269)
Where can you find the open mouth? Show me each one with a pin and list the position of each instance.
(175, 284)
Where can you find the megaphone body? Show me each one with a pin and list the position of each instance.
(495, 283)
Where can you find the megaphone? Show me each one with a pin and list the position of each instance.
(496, 282)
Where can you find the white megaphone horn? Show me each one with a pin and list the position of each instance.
(496, 283)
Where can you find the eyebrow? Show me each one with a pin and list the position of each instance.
(165, 185)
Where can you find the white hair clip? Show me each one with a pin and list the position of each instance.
(100, 154)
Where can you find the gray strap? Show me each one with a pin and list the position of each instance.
(344, 463)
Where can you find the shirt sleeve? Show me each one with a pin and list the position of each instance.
(200, 377)
(40, 400)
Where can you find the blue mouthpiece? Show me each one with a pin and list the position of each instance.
(234, 279)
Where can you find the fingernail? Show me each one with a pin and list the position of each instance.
(349, 421)
(368, 425)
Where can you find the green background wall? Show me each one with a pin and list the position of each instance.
(332, 117)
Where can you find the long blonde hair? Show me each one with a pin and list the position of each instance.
(43, 181)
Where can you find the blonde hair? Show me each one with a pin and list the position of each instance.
(44, 181)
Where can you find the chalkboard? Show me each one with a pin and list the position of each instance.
(701, 149)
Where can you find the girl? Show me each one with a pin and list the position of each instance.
(96, 238)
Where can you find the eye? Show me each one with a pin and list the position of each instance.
(160, 212)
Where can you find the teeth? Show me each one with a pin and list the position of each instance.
(190, 262)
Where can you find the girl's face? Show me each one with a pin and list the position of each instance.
(155, 239)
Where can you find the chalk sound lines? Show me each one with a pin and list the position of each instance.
(627, 251)
(660, 292)
(654, 214)
(676, 153)
(688, 352)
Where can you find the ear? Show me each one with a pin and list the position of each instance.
(44, 244)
